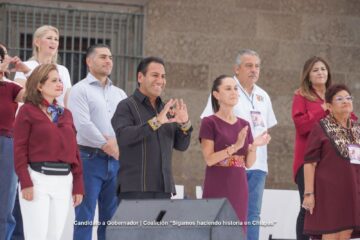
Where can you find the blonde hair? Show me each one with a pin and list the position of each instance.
(39, 33)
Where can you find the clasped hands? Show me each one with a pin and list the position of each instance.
(111, 147)
(174, 111)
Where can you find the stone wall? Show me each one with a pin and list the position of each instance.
(199, 41)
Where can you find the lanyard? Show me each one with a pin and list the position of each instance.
(251, 100)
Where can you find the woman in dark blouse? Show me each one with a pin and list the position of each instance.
(332, 171)
(46, 157)
(228, 148)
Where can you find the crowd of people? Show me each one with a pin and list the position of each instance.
(74, 147)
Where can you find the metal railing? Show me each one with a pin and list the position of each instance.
(122, 31)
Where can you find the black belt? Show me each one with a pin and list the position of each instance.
(51, 168)
(97, 151)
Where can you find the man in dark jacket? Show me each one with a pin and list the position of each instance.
(147, 130)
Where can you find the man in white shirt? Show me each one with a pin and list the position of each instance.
(93, 102)
(255, 107)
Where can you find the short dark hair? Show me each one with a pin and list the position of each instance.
(333, 90)
(92, 48)
(215, 87)
(143, 65)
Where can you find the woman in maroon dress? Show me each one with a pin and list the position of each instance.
(228, 147)
(332, 171)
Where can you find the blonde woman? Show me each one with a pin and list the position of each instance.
(45, 51)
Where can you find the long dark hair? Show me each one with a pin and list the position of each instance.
(305, 88)
(215, 87)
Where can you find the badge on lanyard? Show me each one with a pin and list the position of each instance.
(354, 153)
(256, 119)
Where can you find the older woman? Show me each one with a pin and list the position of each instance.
(228, 148)
(46, 157)
(45, 50)
(10, 95)
(307, 109)
(331, 171)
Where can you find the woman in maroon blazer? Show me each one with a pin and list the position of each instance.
(46, 157)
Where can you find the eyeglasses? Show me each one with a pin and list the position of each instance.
(342, 99)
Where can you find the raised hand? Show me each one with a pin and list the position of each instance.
(241, 138)
(180, 111)
(19, 65)
(262, 139)
(163, 116)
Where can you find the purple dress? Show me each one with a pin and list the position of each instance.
(226, 179)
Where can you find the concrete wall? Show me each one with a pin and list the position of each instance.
(199, 40)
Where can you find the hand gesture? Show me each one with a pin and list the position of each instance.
(181, 113)
(241, 138)
(19, 65)
(262, 139)
(28, 193)
(163, 116)
(174, 111)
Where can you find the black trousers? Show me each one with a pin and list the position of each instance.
(301, 217)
